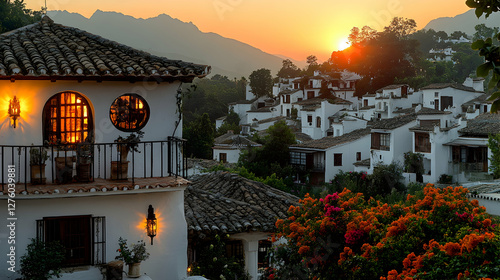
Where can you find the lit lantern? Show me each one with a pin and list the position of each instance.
(152, 223)
(14, 110)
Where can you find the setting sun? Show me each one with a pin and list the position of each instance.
(343, 44)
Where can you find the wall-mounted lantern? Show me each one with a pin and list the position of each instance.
(152, 223)
(14, 110)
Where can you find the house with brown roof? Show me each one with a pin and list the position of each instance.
(228, 147)
(469, 153)
(323, 158)
(68, 96)
(227, 204)
(451, 96)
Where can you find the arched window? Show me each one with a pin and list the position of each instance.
(67, 117)
(318, 122)
(129, 112)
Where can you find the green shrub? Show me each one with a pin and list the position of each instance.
(42, 260)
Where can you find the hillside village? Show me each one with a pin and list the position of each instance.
(448, 123)
(97, 185)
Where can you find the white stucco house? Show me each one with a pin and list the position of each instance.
(323, 158)
(228, 147)
(62, 86)
(390, 139)
(434, 129)
(451, 96)
(392, 98)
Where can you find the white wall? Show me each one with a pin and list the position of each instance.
(34, 94)
(125, 217)
(459, 97)
(348, 152)
(232, 154)
(401, 142)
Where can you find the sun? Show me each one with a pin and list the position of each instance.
(343, 44)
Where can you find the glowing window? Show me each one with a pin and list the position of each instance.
(67, 117)
(129, 112)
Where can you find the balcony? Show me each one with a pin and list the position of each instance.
(91, 164)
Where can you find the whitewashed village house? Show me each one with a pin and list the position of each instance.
(323, 158)
(228, 147)
(71, 85)
(227, 204)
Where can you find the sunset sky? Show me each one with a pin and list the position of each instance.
(294, 28)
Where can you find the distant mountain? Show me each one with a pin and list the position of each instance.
(175, 39)
(464, 22)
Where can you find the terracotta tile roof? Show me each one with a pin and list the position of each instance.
(46, 50)
(234, 140)
(329, 141)
(394, 123)
(274, 119)
(395, 86)
(316, 101)
(447, 85)
(99, 186)
(480, 99)
(482, 125)
(227, 203)
(289, 91)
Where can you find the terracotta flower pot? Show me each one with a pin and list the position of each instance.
(134, 270)
(38, 174)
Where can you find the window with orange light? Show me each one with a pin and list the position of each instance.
(67, 118)
(129, 112)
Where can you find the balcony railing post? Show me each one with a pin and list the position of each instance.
(169, 160)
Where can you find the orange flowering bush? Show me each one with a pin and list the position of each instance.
(436, 234)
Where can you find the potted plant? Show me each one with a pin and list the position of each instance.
(119, 169)
(84, 154)
(132, 256)
(64, 165)
(38, 156)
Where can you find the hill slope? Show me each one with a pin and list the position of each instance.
(464, 22)
(172, 38)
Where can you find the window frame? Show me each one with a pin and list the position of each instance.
(114, 118)
(337, 159)
(55, 116)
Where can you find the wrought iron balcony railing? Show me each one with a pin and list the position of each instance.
(84, 162)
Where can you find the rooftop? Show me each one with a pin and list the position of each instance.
(482, 125)
(49, 51)
(447, 85)
(222, 202)
(329, 141)
(395, 122)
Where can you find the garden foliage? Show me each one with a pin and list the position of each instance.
(434, 234)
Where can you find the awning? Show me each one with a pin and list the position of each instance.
(468, 142)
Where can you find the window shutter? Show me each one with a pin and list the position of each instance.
(376, 141)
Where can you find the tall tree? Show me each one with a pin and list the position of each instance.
(200, 137)
(288, 70)
(13, 14)
(483, 32)
(261, 82)
(380, 58)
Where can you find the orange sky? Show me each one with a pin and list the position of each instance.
(294, 28)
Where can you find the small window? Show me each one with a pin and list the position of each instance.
(358, 156)
(318, 122)
(309, 118)
(223, 157)
(337, 159)
(129, 112)
(297, 158)
(436, 94)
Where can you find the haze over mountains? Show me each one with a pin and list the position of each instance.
(464, 22)
(172, 38)
(175, 39)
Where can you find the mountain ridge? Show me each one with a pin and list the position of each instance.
(166, 36)
(464, 22)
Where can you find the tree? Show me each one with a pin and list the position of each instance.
(490, 52)
(483, 32)
(288, 70)
(458, 34)
(401, 27)
(380, 58)
(494, 146)
(232, 122)
(13, 14)
(312, 60)
(200, 137)
(261, 82)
